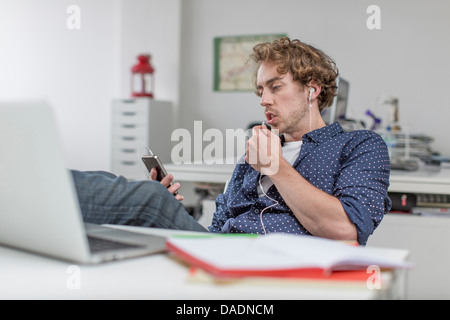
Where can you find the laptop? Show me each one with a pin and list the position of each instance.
(39, 210)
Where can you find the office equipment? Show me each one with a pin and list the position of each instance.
(337, 111)
(407, 202)
(376, 121)
(406, 147)
(39, 209)
(138, 123)
(431, 211)
(402, 202)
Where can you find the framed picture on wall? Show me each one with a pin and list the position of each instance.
(232, 70)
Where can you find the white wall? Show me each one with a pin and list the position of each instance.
(75, 70)
(80, 71)
(152, 26)
(406, 58)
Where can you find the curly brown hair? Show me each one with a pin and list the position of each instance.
(305, 63)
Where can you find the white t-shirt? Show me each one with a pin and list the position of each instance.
(291, 150)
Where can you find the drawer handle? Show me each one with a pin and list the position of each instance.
(128, 126)
(128, 163)
(129, 113)
(128, 138)
(129, 150)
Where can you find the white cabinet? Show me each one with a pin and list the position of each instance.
(138, 123)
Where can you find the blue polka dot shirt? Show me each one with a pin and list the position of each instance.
(352, 166)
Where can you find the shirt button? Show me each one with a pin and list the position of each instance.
(256, 211)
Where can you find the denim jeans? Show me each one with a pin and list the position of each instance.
(107, 199)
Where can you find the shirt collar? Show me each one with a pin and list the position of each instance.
(323, 134)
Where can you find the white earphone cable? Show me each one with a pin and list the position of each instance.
(310, 107)
(262, 211)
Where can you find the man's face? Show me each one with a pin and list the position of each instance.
(284, 100)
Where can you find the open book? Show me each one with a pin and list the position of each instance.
(275, 254)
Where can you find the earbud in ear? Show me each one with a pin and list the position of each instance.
(311, 91)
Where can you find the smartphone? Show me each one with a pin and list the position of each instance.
(154, 162)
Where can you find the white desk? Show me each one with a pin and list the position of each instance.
(27, 276)
(422, 181)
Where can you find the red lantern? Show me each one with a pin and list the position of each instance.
(142, 82)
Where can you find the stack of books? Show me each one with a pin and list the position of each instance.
(278, 258)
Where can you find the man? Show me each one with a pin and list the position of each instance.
(334, 186)
(323, 181)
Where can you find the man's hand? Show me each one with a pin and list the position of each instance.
(167, 182)
(264, 150)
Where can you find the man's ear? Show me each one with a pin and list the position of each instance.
(317, 89)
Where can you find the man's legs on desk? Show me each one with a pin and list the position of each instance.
(107, 199)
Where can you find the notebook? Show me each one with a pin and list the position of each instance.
(39, 210)
(275, 255)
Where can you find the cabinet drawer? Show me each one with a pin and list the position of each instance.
(125, 152)
(128, 117)
(127, 127)
(131, 112)
(131, 154)
(129, 142)
(129, 138)
(120, 132)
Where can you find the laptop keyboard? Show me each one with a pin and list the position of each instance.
(99, 245)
